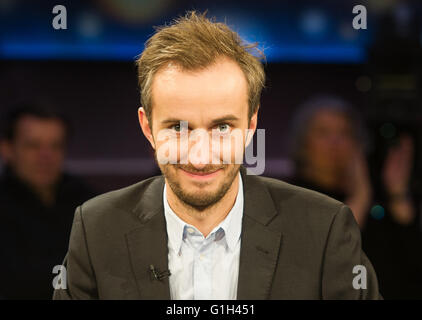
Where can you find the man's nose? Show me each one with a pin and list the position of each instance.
(200, 149)
(46, 152)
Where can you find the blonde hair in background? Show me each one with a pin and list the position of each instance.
(194, 42)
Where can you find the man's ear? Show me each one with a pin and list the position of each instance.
(252, 127)
(146, 129)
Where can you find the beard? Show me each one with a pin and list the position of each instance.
(200, 199)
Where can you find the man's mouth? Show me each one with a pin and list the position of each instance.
(201, 175)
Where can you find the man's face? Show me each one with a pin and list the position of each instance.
(37, 151)
(215, 98)
(330, 142)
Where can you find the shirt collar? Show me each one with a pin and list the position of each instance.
(232, 224)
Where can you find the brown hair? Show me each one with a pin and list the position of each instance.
(194, 42)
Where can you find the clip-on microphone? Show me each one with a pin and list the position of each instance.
(157, 275)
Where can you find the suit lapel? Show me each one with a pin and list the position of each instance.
(147, 244)
(260, 246)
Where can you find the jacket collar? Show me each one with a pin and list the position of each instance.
(260, 244)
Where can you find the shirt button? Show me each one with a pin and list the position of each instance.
(201, 257)
(190, 230)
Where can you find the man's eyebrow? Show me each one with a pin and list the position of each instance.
(215, 121)
(170, 120)
(224, 119)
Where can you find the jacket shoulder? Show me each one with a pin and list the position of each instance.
(116, 202)
(301, 203)
(305, 217)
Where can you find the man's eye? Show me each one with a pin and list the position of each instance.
(176, 127)
(223, 128)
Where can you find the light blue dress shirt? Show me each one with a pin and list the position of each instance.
(204, 268)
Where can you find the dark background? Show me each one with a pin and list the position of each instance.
(88, 70)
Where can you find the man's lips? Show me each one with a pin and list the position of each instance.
(201, 174)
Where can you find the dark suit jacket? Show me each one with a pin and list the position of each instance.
(295, 244)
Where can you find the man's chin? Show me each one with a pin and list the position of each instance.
(200, 201)
(199, 195)
(199, 188)
(199, 192)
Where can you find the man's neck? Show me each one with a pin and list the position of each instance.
(46, 195)
(205, 220)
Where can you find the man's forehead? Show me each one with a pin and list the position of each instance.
(221, 78)
(30, 125)
(199, 113)
(218, 89)
(30, 121)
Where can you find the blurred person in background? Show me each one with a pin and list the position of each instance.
(392, 236)
(37, 201)
(327, 147)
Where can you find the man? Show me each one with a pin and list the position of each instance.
(37, 201)
(206, 229)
